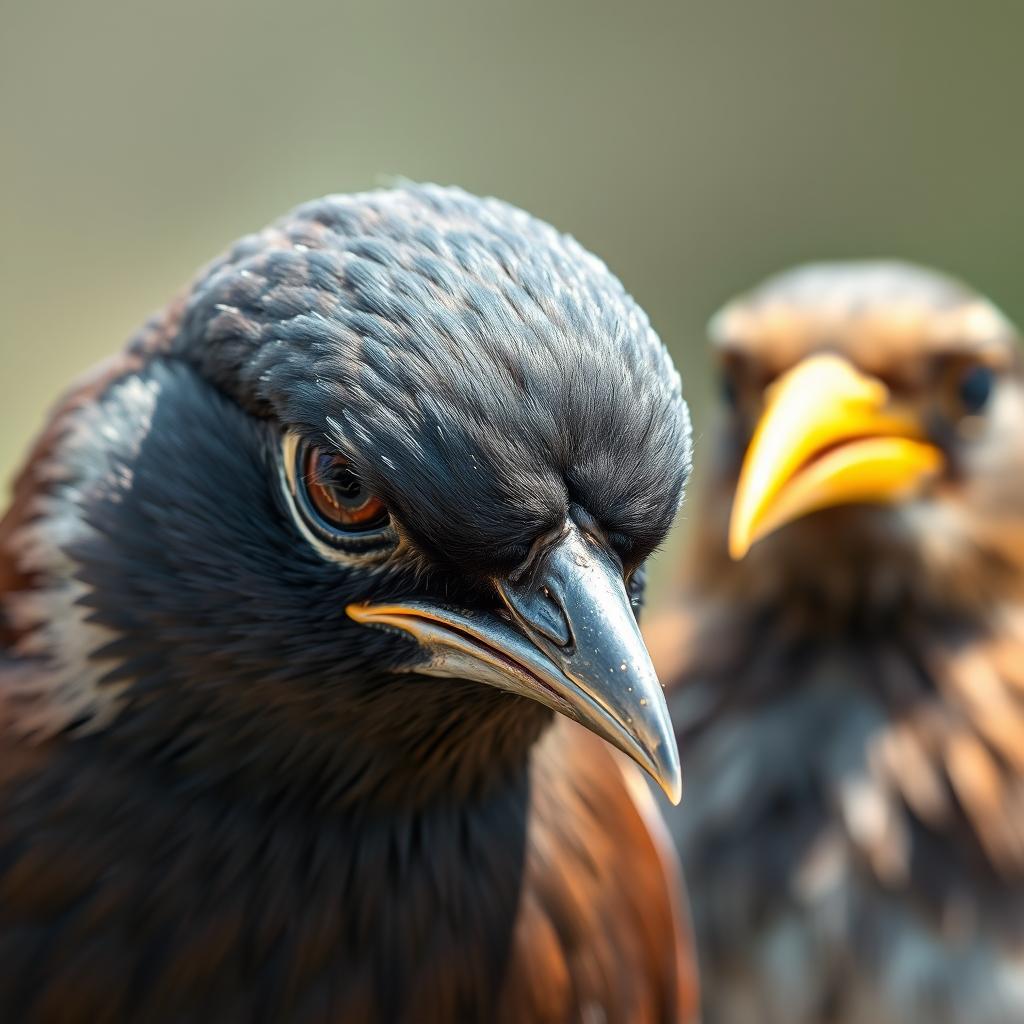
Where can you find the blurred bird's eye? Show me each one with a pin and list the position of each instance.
(735, 373)
(727, 390)
(975, 388)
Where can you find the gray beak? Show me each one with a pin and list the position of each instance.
(573, 644)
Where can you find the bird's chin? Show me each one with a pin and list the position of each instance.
(842, 561)
(486, 648)
(845, 532)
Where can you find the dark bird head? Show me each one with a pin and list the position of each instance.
(871, 448)
(374, 502)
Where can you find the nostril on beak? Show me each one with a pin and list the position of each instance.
(539, 610)
(555, 625)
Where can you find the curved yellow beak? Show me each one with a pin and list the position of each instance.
(828, 436)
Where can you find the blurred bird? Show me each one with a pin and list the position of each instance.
(848, 648)
(291, 591)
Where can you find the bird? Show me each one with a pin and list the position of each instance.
(319, 635)
(844, 647)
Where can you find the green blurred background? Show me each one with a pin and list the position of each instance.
(694, 146)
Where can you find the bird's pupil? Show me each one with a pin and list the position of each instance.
(339, 481)
(976, 388)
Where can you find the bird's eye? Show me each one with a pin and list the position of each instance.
(975, 388)
(333, 496)
(735, 373)
(727, 390)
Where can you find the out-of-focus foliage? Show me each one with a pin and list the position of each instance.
(695, 146)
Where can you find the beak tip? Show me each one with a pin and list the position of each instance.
(673, 788)
(738, 547)
(663, 767)
(739, 541)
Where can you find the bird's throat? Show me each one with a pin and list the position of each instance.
(403, 743)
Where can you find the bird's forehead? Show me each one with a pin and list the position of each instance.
(889, 318)
(467, 355)
(500, 432)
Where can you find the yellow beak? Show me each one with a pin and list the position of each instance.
(828, 436)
